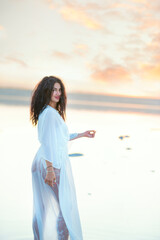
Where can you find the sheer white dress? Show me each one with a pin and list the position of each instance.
(55, 210)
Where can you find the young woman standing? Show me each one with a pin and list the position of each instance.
(55, 210)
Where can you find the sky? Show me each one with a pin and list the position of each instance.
(103, 46)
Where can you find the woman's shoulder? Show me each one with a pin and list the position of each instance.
(54, 114)
(49, 112)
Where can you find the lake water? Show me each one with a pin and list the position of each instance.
(117, 174)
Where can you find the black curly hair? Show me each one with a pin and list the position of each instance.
(41, 97)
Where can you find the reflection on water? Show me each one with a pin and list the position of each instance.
(116, 174)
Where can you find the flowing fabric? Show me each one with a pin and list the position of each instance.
(55, 210)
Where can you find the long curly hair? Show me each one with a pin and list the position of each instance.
(41, 97)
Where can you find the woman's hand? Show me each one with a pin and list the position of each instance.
(50, 178)
(89, 133)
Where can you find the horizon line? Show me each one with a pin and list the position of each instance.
(87, 101)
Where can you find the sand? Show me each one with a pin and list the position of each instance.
(117, 174)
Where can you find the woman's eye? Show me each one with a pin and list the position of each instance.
(55, 90)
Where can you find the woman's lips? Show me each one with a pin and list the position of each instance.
(57, 98)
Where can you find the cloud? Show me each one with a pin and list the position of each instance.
(61, 55)
(140, 14)
(94, 6)
(15, 60)
(81, 49)
(130, 5)
(140, 79)
(1, 27)
(149, 23)
(81, 5)
(155, 41)
(77, 12)
(79, 16)
(150, 72)
(153, 49)
(140, 1)
(157, 58)
(115, 74)
(51, 4)
(145, 15)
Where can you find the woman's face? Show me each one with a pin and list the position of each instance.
(56, 93)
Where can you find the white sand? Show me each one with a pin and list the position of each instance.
(117, 189)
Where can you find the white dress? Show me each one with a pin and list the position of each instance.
(53, 204)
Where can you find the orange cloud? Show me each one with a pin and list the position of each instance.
(116, 74)
(60, 55)
(150, 72)
(81, 49)
(157, 58)
(76, 15)
(51, 4)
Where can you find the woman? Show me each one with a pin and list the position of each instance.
(55, 211)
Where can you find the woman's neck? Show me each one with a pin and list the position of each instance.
(53, 104)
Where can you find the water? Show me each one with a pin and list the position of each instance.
(117, 181)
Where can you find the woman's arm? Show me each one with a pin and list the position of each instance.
(89, 133)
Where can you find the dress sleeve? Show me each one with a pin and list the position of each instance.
(49, 136)
(72, 136)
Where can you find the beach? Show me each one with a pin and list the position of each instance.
(107, 55)
(116, 174)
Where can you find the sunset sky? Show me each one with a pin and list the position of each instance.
(104, 46)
